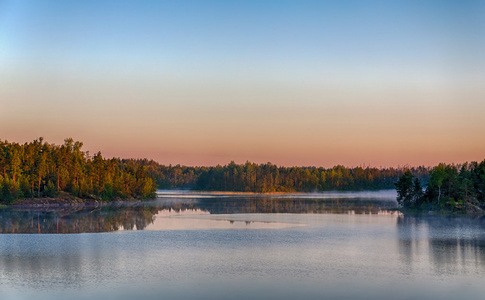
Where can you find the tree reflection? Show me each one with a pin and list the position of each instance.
(103, 219)
(137, 216)
(294, 205)
(449, 240)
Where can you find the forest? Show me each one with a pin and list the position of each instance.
(269, 178)
(42, 170)
(456, 188)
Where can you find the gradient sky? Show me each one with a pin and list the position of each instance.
(380, 83)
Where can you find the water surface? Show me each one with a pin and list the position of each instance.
(190, 246)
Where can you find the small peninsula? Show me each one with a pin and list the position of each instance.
(38, 171)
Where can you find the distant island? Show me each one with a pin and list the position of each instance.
(37, 172)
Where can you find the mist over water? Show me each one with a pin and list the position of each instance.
(381, 194)
(245, 247)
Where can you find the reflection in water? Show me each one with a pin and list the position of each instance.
(190, 220)
(342, 251)
(103, 219)
(450, 241)
(295, 206)
(139, 215)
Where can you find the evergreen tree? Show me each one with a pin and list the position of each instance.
(417, 192)
(404, 188)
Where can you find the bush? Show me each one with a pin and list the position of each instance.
(50, 190)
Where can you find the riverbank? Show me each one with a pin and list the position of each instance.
(221, 193)
(468, 209)
(67, 200)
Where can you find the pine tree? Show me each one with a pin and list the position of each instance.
(404, 188)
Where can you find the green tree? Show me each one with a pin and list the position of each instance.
(15, 163)
(404, 188)
(437, 176)
(478, 177)
(417, 192)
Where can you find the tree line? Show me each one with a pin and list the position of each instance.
(39, 169)
(450, 187)
(269, 178)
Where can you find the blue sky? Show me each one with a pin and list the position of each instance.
(173, 73)
(241, 35)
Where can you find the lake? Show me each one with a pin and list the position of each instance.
(218, 246)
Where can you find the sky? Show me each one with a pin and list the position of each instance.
(295, 83)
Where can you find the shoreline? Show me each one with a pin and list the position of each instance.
(60, 202)
(185, 192)
(65, 200)
(471, 210)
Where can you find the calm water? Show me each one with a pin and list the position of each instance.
(186, 246)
